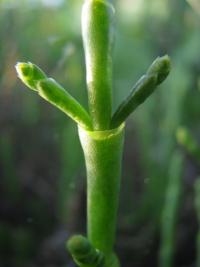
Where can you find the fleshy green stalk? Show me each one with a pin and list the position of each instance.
(101, 137)
(97, 32)
(103, 152)
(145, 86)
(197, 206)
(54, 93)
(170, 211)
(50, 90)
(156, 74)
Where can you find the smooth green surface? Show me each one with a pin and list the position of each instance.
(103, 153)
(156, 74)
(97, 32)
(50, 90)
(83, 253)
(144, 87)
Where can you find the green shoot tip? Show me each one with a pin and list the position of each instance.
(161, 67)
(78, 244)
(83, 253)
(22, 69)
(29, 74)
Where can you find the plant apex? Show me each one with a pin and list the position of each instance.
(29, 74)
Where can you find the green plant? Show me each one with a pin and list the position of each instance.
(101, 133)
(170, 211)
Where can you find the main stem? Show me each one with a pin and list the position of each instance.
(102, 147)
(97, 32)
(103, 153)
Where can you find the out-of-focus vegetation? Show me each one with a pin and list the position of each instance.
(42, 192)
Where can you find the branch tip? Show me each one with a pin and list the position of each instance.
(83, 252)
(29, 74)
(161, 66)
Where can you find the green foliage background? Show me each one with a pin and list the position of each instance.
(42, 185)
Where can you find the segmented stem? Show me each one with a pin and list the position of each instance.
(101, 136)
(97, 32)
(156, 74)
(103, 152)
(54, 93)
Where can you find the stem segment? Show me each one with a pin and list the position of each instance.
(103, 153)
(97, 31)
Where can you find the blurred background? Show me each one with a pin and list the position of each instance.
(42, 173)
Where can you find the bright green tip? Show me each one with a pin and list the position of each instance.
(29, 74)
(161, 67)
(22, 69)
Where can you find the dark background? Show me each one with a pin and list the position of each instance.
(42, 173)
